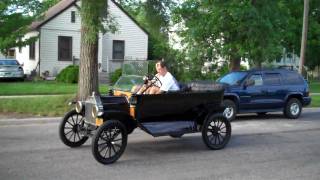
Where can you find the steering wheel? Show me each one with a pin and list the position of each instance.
(153, 80)
(149, 81)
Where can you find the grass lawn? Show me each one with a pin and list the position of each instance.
(40, 88)
(315, 102)
(40, 106)
(314, 87)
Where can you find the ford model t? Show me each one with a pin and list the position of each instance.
(110, 118)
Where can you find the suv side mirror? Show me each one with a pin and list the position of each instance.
(249, 82)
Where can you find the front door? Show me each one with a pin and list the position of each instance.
(253, 97)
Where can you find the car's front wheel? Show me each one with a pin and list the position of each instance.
(293, 108)
(230, 110)
(109, 142)
(216, 131)
(69, 129)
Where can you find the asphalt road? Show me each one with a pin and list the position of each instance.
(269, 147)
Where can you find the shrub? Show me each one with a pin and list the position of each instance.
(114, 76)
(69, 74)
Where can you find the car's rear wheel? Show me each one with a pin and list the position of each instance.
(293, 108)
(109, 142)
(216, 131)
(230, 110)
(69, 129)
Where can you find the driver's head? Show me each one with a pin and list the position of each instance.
(161, 67)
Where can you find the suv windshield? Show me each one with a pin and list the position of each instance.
(132, 75)
(233, 78)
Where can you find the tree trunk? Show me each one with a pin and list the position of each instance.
(88, 70)
(91, 12)
(258, 65)
(235, 64)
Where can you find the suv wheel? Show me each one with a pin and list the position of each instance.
(293, 108)
(230, 110)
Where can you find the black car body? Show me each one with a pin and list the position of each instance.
(262, 91)
(110, 118)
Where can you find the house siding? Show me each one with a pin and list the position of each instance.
(136, 40)
(49, 50)
(23, 57)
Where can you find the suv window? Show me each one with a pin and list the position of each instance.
(257, 79)
(292, 78)
(272, 79)
(233, 78)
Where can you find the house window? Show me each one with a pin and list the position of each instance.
(32, 51)
(64, 48)
(118, 49)
(73, 16)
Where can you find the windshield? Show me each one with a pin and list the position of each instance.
(132, 75)
(9, 62)
(233, 78)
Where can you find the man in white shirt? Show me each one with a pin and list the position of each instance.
(167, 81)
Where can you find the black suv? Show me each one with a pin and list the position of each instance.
(262, 91)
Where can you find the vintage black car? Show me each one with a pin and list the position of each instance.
(110, 118)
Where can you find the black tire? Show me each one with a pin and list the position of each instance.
(70, 124)
(230, 111)
(177, 135)
(293, 108)
(107, 147)
(216, 131)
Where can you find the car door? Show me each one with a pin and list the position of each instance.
(253, 97)
(275, 90)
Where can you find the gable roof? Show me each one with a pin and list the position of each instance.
(51, 13)
(65, 4)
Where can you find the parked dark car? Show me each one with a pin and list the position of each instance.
(11, 69)
(110, 118)
(263, 91)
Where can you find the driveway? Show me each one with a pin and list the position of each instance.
(269, 147)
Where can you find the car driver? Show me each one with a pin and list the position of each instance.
(167, 81)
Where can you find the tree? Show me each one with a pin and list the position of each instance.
(15, 17)
(233, 30)
(94, 19)
(292, 37)
(14, 20)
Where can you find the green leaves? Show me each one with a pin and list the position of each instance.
(248, 29)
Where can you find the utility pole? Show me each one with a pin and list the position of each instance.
(304, 35)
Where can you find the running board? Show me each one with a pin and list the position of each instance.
(169, 128)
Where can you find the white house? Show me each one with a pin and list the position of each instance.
(58, 43)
